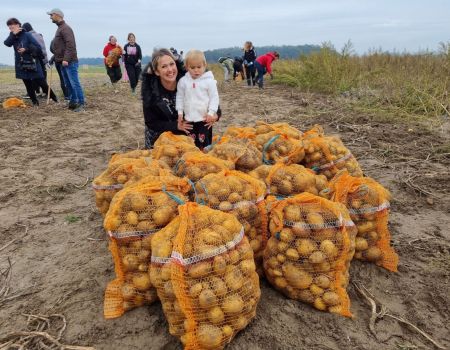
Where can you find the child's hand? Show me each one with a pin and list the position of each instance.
(210, 120)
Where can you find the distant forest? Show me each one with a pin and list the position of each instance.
(285, 51)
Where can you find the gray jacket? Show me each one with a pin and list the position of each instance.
(40, 39)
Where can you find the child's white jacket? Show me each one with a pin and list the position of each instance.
(197, 97)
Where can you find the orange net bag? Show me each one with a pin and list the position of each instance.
(244, 153)
(136, 213)
(243, 196)
(261, 172)
(368, 204)
(284, 128)
(276, 146)
(308, 255)
(13, 102)
(204, 273)
(288, 180)
(327, 155)
(195, 165)
(121, 173)
(137, 153)
(170, 148)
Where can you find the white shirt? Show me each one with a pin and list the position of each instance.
(197, 97)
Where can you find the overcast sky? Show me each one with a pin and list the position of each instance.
(410, 25)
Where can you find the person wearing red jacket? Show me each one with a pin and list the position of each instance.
(263, 65)
(112, 53)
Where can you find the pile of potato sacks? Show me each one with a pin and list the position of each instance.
(195, 229)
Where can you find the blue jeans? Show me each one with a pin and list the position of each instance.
(261, 71)
(72, 82)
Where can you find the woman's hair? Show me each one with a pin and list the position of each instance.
(13, 21)
(157, 54)
(193, 55)
(129, 35)
(248, 45)
(276, 54)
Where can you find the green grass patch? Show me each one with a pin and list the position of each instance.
(71, 219)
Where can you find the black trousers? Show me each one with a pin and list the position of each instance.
(133, 72)
(30, 84)
(250, 73)
(114, 73)
(201, 135)
(61, 80)
(37, 88)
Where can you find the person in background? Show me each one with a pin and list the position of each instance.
(249, 63)
(26, 53)
(132, 56)
(42, 61)
(159, 89)
(238, 67)
(112, 52)
(227, 65)
(64, 49)
(58, 66)
(197, 99)
(264, 65)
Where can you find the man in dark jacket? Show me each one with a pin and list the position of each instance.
(65, 52)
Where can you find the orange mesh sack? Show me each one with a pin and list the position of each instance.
(207, 285)
(244, 153)
(308, 255)
(276, 146)
(290, 180)
(13, 102)
(327, 155)
(137, 153)
(195, 165)
(368, 204)
(261, 172)
(315, 131)
(285, 128)
(171, 151)
(136, 213)
(169, 138)
(123, 172)
(243, 196)
(242, 132)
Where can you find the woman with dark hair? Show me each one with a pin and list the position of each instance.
(249, 63)
(26, 54)
(132, 56)
(159, 90)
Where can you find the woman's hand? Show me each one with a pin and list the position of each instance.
(21, 50)
(184, 126)
(210, 120)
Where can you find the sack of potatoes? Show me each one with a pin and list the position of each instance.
(239, 194)
(195, 165)
(368, 204)
(241, 132)
(168, 138)
(289, 180)
(276, 146)
(204, 273)
(261, 172)
(137, 153)
(135, 214)
(327, 155)
(244, 153)
(265, 128)
(121, 173)
(308, 255)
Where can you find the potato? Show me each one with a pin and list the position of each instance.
(322, 281)
(296, 277)
(227, 332)
(316, 290)
(162, 216)
(195, 290)
(216, 315)
(232, 304)
(305, 247)
(280, 282)
(122, 178)
(361, 244)
(320, 304)
(248, 266)
(209, 336)
(138, 202)
(328, 248)
(292, 254)
(207, 298)
(292, 213)
(144, 256)
(218, 286)
(141, 281)
(315, 219)
(331, 298)
(225, 206)
(366, 227)
(255, 244)
(234, 278)
(219, 265)
(317, 257)
(145, 225)
(373, 254)
(130, 262)
(200, 269)
(128, 291)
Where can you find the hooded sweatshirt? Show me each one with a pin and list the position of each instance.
(266, 61)
(197, 97)
(107, 49)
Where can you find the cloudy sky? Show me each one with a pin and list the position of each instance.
(410, 25)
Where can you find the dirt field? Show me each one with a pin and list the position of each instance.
(49, 157)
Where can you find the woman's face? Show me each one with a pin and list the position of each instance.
(113, 40)
(13, 28)
(131, 39)
(167, 69)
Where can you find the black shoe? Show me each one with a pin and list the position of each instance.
(73, 105)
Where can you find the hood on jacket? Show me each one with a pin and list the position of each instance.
(205, 76)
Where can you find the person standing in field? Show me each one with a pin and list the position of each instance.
(132, 56)
(264, 65)
(65, 52)
(42, 61)
(113, 52)
(27, 51)
(197, 99)
(249, 63)
(227, 65)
